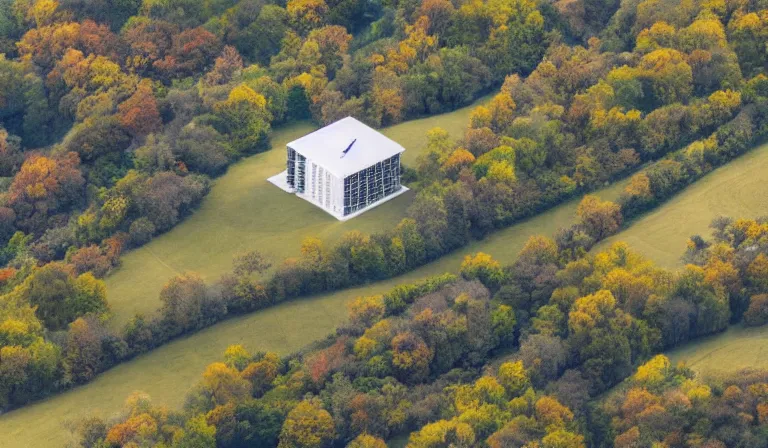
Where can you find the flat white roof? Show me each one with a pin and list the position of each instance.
(326, 147)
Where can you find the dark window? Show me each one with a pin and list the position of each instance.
(291, 165)
(371, 184)
(301, 165)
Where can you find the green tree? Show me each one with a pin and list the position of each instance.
(84, 354)
(367, 441)
(482, 267)
(60, 297)
(599, 218)
(244, 116)
(514, 378)
(197, 434)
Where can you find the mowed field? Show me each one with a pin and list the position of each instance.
(738, 190)
(168, 372)
(245, 212)
(735, 349)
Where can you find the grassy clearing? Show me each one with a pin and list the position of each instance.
(737, 348)
(244, 212)
(737, 189)
(168, 372)
(719, 355)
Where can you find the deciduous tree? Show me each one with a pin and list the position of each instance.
(307, 426)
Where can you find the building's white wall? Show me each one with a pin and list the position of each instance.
(338, 195)
(310, 187)
(323, 188)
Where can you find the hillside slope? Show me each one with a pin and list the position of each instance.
(736, 190)
(738, 348)
(168, 372)
(245, 212)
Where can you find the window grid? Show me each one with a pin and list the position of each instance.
(371, 184)
(301, 163)
(291, 167)
(313, 183)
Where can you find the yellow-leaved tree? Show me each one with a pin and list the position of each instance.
(308, 425)
(244, 116)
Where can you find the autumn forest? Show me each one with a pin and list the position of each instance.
(117, 118)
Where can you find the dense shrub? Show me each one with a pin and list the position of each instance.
(141, 231)
(757, 313)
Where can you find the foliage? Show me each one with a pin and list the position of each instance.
(677, 405)
(427, 367)
(245, 118)
(147, 99)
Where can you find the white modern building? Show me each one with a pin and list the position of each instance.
(344, 168)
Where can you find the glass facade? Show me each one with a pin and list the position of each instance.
(360, 189)
(371, 184)
(301, 174)
(296, 170)
(291, 165)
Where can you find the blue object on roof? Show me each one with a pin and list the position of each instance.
(344, 153)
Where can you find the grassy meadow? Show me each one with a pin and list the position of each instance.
(735, 349)
(227, 224)
(737, 189)
(244, 212)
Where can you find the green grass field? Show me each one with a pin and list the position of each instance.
(730, 351)
(244, 212)
(168, 372)
(737, 190)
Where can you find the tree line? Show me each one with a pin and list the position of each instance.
(669, 405)
(114, 117)
(189, 304)
(689, 89)
(499, 356)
